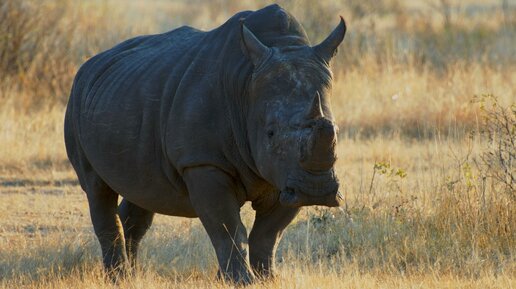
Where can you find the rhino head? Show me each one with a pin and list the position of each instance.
(291, 130)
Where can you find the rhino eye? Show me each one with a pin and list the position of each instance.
(270, 133)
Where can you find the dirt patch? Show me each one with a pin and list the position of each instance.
(37, 183)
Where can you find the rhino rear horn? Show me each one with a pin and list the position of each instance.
(327, 49)
(252, 47)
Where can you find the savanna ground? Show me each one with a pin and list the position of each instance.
(424, 96)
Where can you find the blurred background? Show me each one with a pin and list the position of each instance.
(405, 66)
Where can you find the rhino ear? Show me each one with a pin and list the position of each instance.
(252, 47)
(327, 49)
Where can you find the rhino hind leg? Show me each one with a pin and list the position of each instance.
(102, 201)
(213, 196)
(264, 237)
(136, 221)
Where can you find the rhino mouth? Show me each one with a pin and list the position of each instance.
(309, 189)
(291, 198)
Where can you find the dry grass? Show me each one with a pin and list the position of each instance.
(405, 78)
(429, 229)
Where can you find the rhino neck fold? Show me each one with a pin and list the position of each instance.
(236, 73)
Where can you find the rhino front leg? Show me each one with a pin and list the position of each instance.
(265, 235)
(136, 221)
(213, 196)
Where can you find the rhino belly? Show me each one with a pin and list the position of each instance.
(123, 146)
(142, 182)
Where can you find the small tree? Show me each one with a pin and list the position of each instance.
(497, 161)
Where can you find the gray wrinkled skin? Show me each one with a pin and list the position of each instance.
(194, 124)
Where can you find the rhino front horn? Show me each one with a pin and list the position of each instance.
(315, 110)
(327, 49)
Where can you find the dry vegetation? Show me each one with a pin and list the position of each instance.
(424, 97)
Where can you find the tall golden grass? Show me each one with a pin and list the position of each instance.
(423, 209)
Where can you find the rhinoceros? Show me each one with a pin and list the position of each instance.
(196, 123)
